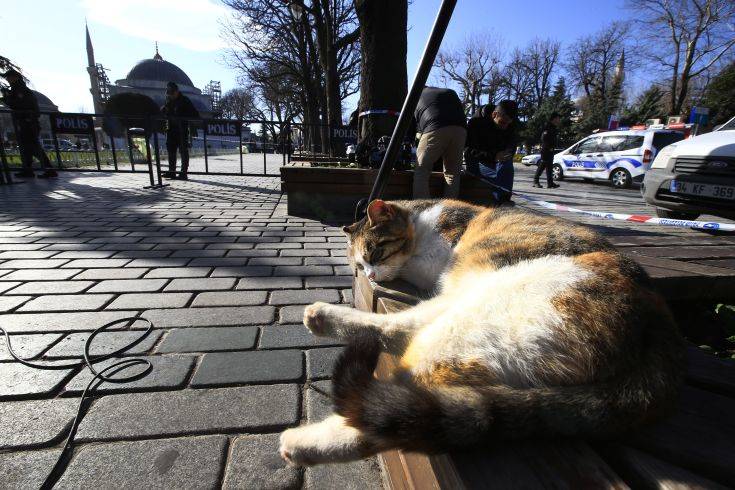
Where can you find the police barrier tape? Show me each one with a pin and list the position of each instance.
(637, 218)
(380, 111)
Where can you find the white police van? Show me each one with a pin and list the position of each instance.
(621, 157)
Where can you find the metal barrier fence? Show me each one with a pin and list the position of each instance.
(111, 143)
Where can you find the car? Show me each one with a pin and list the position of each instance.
(695, 176)
(621, 157)
(531, 159)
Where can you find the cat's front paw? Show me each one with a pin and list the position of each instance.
(315, 318)
(292, 449)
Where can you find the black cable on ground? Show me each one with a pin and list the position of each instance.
(105, 375)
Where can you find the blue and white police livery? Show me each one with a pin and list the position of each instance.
(621, 157)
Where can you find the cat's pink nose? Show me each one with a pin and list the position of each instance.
(371, 276)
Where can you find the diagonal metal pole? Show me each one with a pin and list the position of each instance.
(409, 105)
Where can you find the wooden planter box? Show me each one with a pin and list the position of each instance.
(331, 194)
(694, 448)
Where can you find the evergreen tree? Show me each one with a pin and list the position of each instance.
(560, 102)
(720, 96)
(648, 105)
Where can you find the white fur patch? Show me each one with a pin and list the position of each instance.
(432, 251)
(503, 318)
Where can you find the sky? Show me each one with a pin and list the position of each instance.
(46, 37)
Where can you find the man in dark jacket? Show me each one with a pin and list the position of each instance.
(492, 138)
(179, 107)
(548, 143)
(24, 105)
(440, 119)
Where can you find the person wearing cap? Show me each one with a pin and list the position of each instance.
(440, 119)
(178, 107)
(22, 101)
(548, 144)
(492, 137)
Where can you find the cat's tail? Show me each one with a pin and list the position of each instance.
(403, 413)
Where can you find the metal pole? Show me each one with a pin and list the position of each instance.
(96, 150)
(240, 145)
(206, 161)
(158, 157)
(262, 127)
(409, 105)
(112, 148)
(7, 177)
(148, 150)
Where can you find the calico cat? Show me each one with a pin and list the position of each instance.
(540, 328)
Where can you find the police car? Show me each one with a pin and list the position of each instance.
(622, 156)
(531, 159)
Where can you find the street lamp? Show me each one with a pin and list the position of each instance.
(297, 9)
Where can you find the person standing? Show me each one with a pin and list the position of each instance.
(492, 137)
(22, 101)
(179, 107)
(549, 142)
(440, 119)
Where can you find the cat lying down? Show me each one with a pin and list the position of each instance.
(539, 328)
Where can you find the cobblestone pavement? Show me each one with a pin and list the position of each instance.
(223, 273)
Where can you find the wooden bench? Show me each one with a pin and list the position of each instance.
(694, 448)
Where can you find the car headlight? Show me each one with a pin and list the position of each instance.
(663, 157)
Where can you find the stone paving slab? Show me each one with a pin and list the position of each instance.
(192, 462)
(319, 362)
(104, 343)
(128, 286)
(53, 322)
(140, 301)
(112, 273)
(34, 423)
(174, 272)
(9, 303)
(39, 274)
(64, 302)
(51, 287)
(208, 339)
(292, 336)
(358, 475)
(169, 372)
(244, 409)
(304, 296)
(228, 368)
(229, 298)
(210, 317)
(255, 463)
(27, 346)
(27, 470)
(18, 381)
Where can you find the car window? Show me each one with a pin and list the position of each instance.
(631, 143)
(664, 139)
(588, 145)
(612, 143)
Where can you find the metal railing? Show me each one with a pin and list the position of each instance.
(122, 143)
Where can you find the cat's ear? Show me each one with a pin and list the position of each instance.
(349, 230)
(379, 211)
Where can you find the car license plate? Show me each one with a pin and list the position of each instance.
(705, 190)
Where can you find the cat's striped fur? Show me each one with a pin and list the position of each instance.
(539, 328)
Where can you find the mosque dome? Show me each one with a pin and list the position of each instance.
(159, 70)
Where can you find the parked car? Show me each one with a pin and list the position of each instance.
(695, 176)
(618, 156)
(531, 159)
(64, 145)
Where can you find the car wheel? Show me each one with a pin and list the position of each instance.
(667, 213)
(621, 178)
(556, 172)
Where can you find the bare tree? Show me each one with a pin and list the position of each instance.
(239, 103)
(699, 34)
(474, 68)
(540, 59)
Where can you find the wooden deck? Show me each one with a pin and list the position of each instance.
(694, 448)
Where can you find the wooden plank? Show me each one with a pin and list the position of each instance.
(641, 470)
(724, 263)
(675, 265)
(686, 252)
(709, 372)
(699, 437)
(658, 240)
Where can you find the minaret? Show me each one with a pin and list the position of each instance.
(620, 69)
(94, 78)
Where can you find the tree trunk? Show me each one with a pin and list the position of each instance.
(383, 76)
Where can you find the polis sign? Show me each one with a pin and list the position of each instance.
(222, 127)
(345, 134)
(72, 123)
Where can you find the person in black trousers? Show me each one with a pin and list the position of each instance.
(548, 143)
(24, 105)
(178, 106)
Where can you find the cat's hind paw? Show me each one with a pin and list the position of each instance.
(291, 449)
(315, 318)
